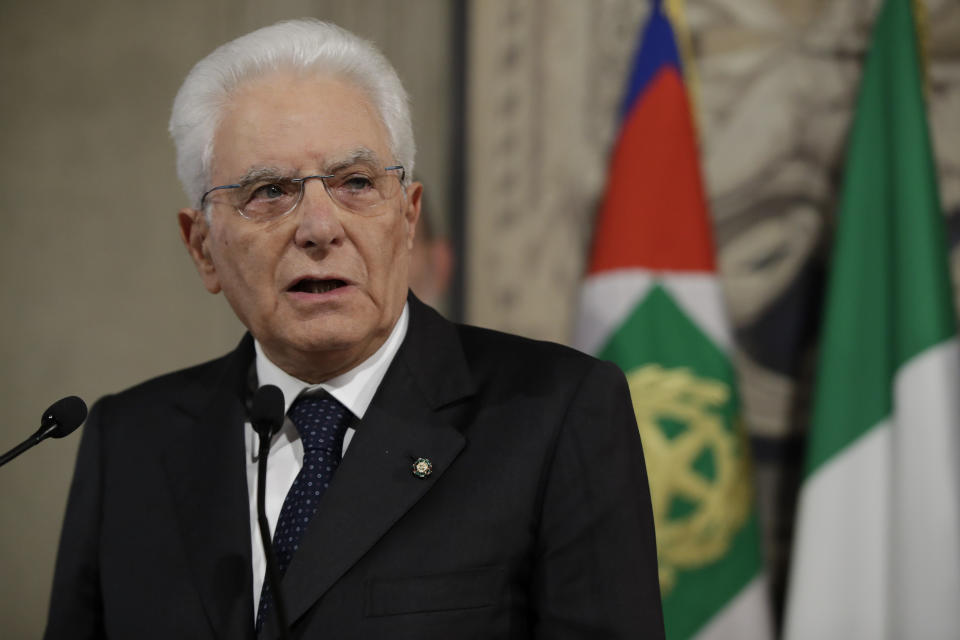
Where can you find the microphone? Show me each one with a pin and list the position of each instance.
(266, 416)
(60, 419)
(266, 412)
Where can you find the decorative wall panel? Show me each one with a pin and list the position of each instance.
(776, 81)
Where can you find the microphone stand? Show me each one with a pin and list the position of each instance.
(32, 441)
(265, 537)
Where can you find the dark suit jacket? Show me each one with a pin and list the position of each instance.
(535, 522)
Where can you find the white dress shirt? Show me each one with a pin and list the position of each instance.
(353, 389)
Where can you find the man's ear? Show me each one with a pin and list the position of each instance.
(412, 212)
(195, 233)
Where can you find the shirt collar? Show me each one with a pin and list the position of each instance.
(354, 389)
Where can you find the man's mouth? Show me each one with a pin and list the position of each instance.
(309, 285)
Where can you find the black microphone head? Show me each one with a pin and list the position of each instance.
(266, 410)
(65, 415)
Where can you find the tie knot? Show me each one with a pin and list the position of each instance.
(321, 421)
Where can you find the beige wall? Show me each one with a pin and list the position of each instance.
(97, 292)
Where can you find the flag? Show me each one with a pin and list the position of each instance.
(877, 545)
(651, 302)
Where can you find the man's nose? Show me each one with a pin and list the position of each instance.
(319, 216)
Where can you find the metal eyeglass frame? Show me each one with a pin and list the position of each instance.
(302, 182)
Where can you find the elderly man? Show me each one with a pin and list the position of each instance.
(430, 480)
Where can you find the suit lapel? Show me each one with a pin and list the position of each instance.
(204, 461)
(375, 486)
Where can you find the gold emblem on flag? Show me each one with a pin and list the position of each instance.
(699, 476)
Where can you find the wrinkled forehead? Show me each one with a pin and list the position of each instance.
(297, 121)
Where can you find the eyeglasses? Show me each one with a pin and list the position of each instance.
(267, 197)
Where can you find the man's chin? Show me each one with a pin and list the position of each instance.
(319, 345)
(320, 354)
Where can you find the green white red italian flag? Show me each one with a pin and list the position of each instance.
(877, 546)
(651, 302)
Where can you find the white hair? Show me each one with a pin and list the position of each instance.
(307, 45)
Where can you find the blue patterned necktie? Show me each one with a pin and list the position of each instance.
(321, 422)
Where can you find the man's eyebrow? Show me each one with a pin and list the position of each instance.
(255, 174)
(361, 155)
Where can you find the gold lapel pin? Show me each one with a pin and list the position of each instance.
(422, 467)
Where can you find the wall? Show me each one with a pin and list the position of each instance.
(774, 84)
